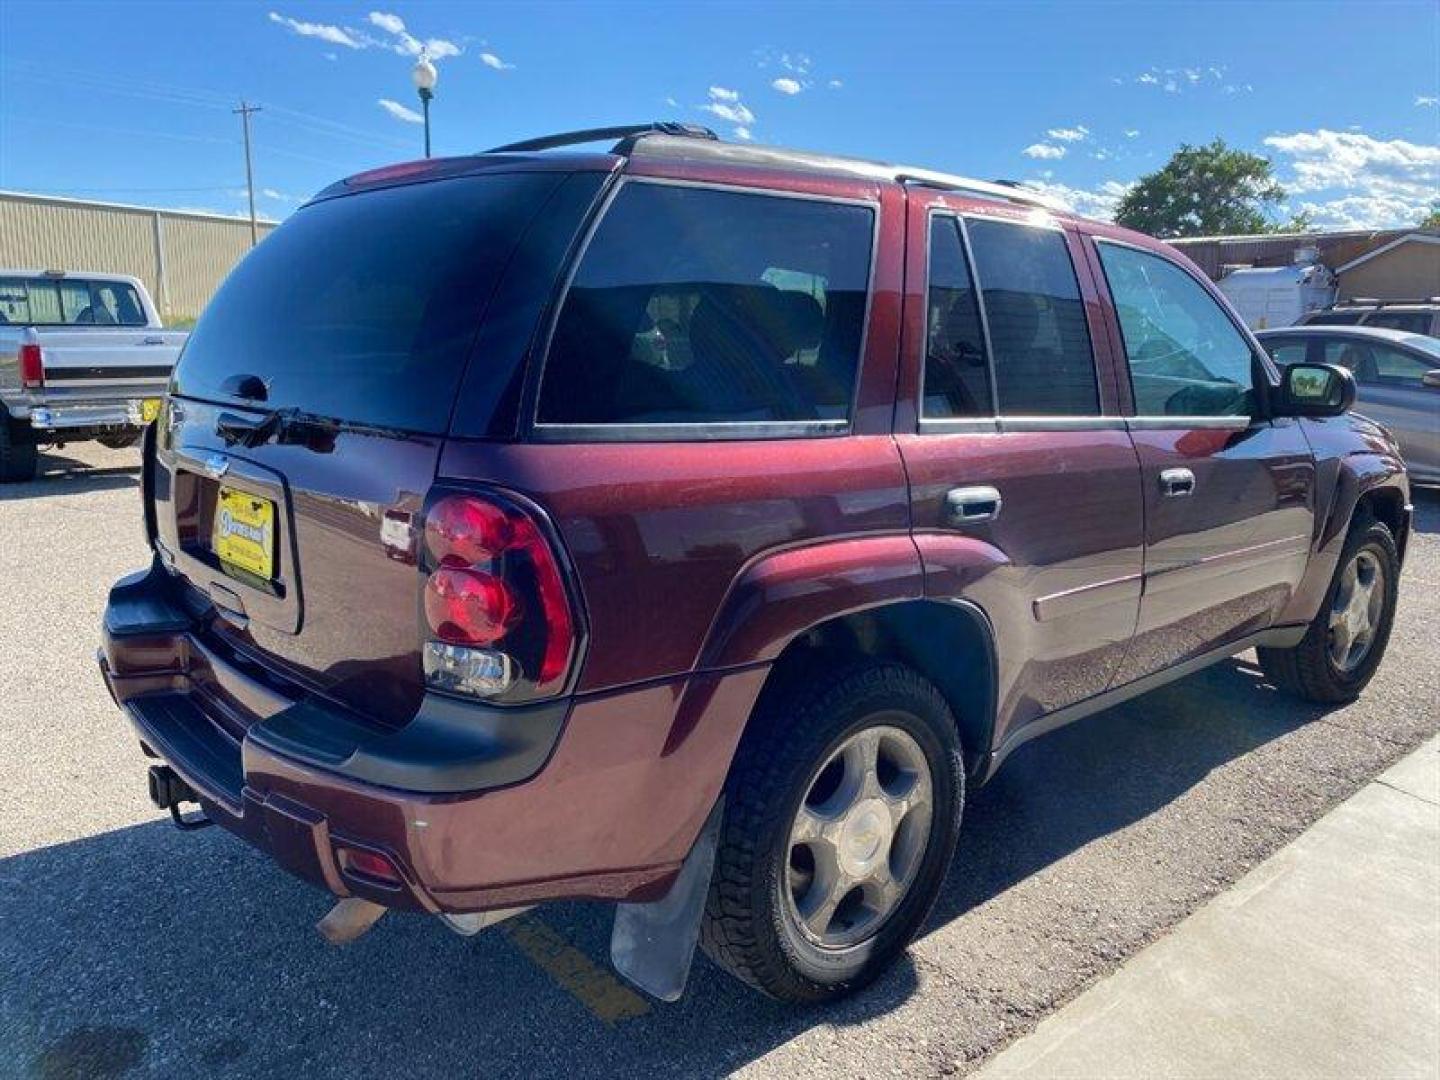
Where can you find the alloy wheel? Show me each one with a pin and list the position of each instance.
(1356, 611)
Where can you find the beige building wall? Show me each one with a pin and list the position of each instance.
(181, 257)
(1409, 271)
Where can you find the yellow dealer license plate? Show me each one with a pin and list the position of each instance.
(149, 409)
(244, 536)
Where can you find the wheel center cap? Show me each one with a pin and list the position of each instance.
(865, 838)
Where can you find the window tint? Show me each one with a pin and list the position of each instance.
(1378, 365)
(69, 302)
(957, 380)
(696, 305)
(1186, 356)
(1416, 322)
(364, 307)
(1041, 345)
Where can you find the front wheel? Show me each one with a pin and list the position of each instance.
(1346, 640)
(842, 813)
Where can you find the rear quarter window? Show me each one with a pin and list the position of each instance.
(707, 306)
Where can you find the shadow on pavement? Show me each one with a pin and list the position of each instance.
(60, 474)
(190, 953)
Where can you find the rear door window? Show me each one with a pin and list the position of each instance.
(1287, 350)
(1043, 361)
(1414, 322)
(1186, 357)
(1374, 364)
(364, 307)
(695, 305)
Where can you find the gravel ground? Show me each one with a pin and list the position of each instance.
(126, 946)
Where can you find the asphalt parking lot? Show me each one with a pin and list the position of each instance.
(127, 946)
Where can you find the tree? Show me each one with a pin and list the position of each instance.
(1431, 219)
(1203, 191)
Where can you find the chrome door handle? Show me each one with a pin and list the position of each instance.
(968, 505)
(1177, 482)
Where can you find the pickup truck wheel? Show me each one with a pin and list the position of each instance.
(19, 457)
(1346, 640)
(842, 812)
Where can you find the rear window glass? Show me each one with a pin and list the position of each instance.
(698, 305)
(1038, 335)
(364, 307)
(69, 301)
(1416, 322)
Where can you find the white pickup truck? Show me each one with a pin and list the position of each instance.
(82, 356)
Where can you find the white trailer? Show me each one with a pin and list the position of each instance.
(1267, 297)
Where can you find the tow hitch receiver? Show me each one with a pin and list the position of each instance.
(168, 791)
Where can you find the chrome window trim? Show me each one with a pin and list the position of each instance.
(1162, 423)
(700, 430)
(1001, 425)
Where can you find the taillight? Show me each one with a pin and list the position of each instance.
(32, 369)
(499, 619)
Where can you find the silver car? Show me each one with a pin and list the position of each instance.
(1397, 375)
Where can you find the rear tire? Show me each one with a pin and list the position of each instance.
(19, 456)
(887, 843)
(1346, 640)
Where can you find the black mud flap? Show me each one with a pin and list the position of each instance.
(653, 944)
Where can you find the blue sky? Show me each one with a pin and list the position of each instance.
(131, 102)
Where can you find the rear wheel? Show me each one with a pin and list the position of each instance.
(841, 816)
(1346, 640)
(19, 456)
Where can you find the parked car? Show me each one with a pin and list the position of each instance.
(1397, 375)
(82, 357)
(1412, 316)
(689, 526)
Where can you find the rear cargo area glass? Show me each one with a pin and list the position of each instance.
(364, 307)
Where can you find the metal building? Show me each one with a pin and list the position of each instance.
(180, 256)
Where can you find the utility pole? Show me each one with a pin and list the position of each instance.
(244, 112)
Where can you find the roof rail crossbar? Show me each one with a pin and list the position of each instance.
(1370, 301)
(626, 133)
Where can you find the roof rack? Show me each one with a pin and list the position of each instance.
(1368, 301)
(626, 133)
(672, 138)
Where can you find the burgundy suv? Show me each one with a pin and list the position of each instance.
(688, 526)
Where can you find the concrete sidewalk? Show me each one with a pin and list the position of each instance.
(1322, 962)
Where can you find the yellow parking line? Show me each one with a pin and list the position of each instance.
(607, 998)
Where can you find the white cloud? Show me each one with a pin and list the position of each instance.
(1148, 79)
(726, 104)
(1171, 86)
(1356, 180)
(1070, 134)
(835, 84)
(743, 133)
(1097, 203)
(1043, 150)
(787, 86)
(324, 31)
(1132, 133)
(1424, 101)
(490, 60)
(391, 24)
(400, 112)
(672, 103)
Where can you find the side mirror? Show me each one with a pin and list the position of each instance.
(1431, 379)
(1316, 390)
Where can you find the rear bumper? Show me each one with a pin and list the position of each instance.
(87, 415)
(477, 807)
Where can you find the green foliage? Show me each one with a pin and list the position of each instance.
(1431, 219)
(1203, 191)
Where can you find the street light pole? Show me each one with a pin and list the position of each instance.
(244, 112)
(424, 76)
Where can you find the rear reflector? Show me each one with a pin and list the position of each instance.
(32, 369)
(368, 864)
